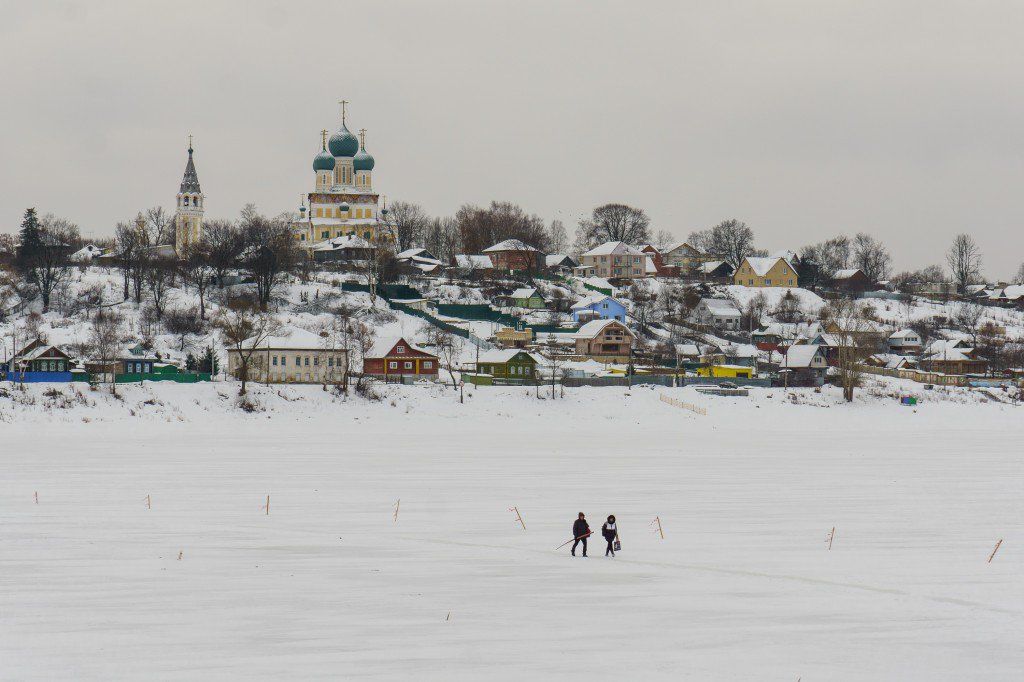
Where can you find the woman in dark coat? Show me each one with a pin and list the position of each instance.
(611, 534)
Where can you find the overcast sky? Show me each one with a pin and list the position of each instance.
(804, 119)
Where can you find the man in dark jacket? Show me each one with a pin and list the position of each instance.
(580, 531)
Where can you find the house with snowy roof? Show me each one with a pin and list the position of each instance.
(292, 355)
(904, 342)
(952, 356)
(397, 357)
(718, 313)
(347, 247)
(560, 263)
(613, 259)
(684, 256)
(38, 362)
(515, 255)
(420, 259)
(505, 366)
(850, 281)
(527, 297)
(606, 340)
(470, 264)
(770, 271)
(598, 307)
(803, 365)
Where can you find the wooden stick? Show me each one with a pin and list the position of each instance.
(996, 549)
(520, 518)
(37, 497)
(660, 531)
(449, 616)
(267, 507)
(149, 503)
(830, 536)
(397, 505)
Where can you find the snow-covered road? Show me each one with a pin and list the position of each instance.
(329, 586)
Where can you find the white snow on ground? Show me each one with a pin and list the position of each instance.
(329, 586)
(809, 301)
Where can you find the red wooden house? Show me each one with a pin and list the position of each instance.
(397, 357)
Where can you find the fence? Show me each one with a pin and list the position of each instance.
(684, 405)
(918, 376)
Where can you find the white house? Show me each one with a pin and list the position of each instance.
(717, 312)
(291, 356)
(904, 342)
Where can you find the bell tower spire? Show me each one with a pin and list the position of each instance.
(188, 215)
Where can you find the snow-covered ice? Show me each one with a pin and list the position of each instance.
(329, 586)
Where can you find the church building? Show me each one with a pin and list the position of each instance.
(343, 201)
(188, 214)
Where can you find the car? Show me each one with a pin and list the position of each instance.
(727, 384)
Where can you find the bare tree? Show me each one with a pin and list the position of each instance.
(245, 330)
(45, 265)
(105, 339)
(160, 277)
(969, 315)
(555, 364)
(443, 239)
(643, 303)
(730, 240)
(223, 243)
(270, 254)
(1019, 277)
(160, 225)
(447, 346)
(558, 237)
(848, 321)
(183, 322)
(789, 309)
(663, 240)
(964, 260)
(756, 309)
(871, 256)
(614, 223)
(196, 270)
(480, 228)
(407, 223)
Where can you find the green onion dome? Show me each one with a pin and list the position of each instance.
(362, 161)
(343, 143)
(323, 161)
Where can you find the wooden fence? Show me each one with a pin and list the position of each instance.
(918, 376)
(684, 405)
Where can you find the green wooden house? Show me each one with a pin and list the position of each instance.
(510, 366)
(528, 298)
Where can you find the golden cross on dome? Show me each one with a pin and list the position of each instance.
(362, 138)
(323, 138)
(343, 102)
(190, 141)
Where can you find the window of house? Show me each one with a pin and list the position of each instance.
(427, 364)
(399, 349)
(298, 361)
(273, 360)
(408, 365)
(392, 365)
(307, 361)
(768, 282)
(750, 282)
(316, 360)
(325, 234)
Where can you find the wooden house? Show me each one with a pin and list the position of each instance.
(39, 362)
(527, 297)
(397, 357)
(511, 366)
(851, 281)
(513, 254)
(607, 340)
(803, 365)
(765, 272)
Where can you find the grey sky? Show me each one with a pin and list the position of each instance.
(804, 119)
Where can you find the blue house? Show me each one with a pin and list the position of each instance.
(598, 307)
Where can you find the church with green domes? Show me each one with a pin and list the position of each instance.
(343, 201)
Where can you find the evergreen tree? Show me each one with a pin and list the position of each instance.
(31, 240)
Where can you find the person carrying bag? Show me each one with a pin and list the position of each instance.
(611, 536)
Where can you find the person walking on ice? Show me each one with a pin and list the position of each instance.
(580, 532)
(611, 534)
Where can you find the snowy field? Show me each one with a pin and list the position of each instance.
(329, 586)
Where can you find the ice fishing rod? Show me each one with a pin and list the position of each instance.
(588, 533)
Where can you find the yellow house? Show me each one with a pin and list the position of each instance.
(765, 272)
(726, 371)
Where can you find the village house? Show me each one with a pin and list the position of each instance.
(468, 265)
(718, 313)
(904, 342)
(39, 362)
(803, 365)
(851, 282)
(606, 340)
(507, 337)
(952, 357)
(765, 272)
(292, 356)
(656, 265)
(684, 256)
(509, 366)
(714, 271)
(613, 259)
(345, 248)
(397, 357)
(559, 263)
(421, 260)
(515, 255)
(598, 307)
(527, 297)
